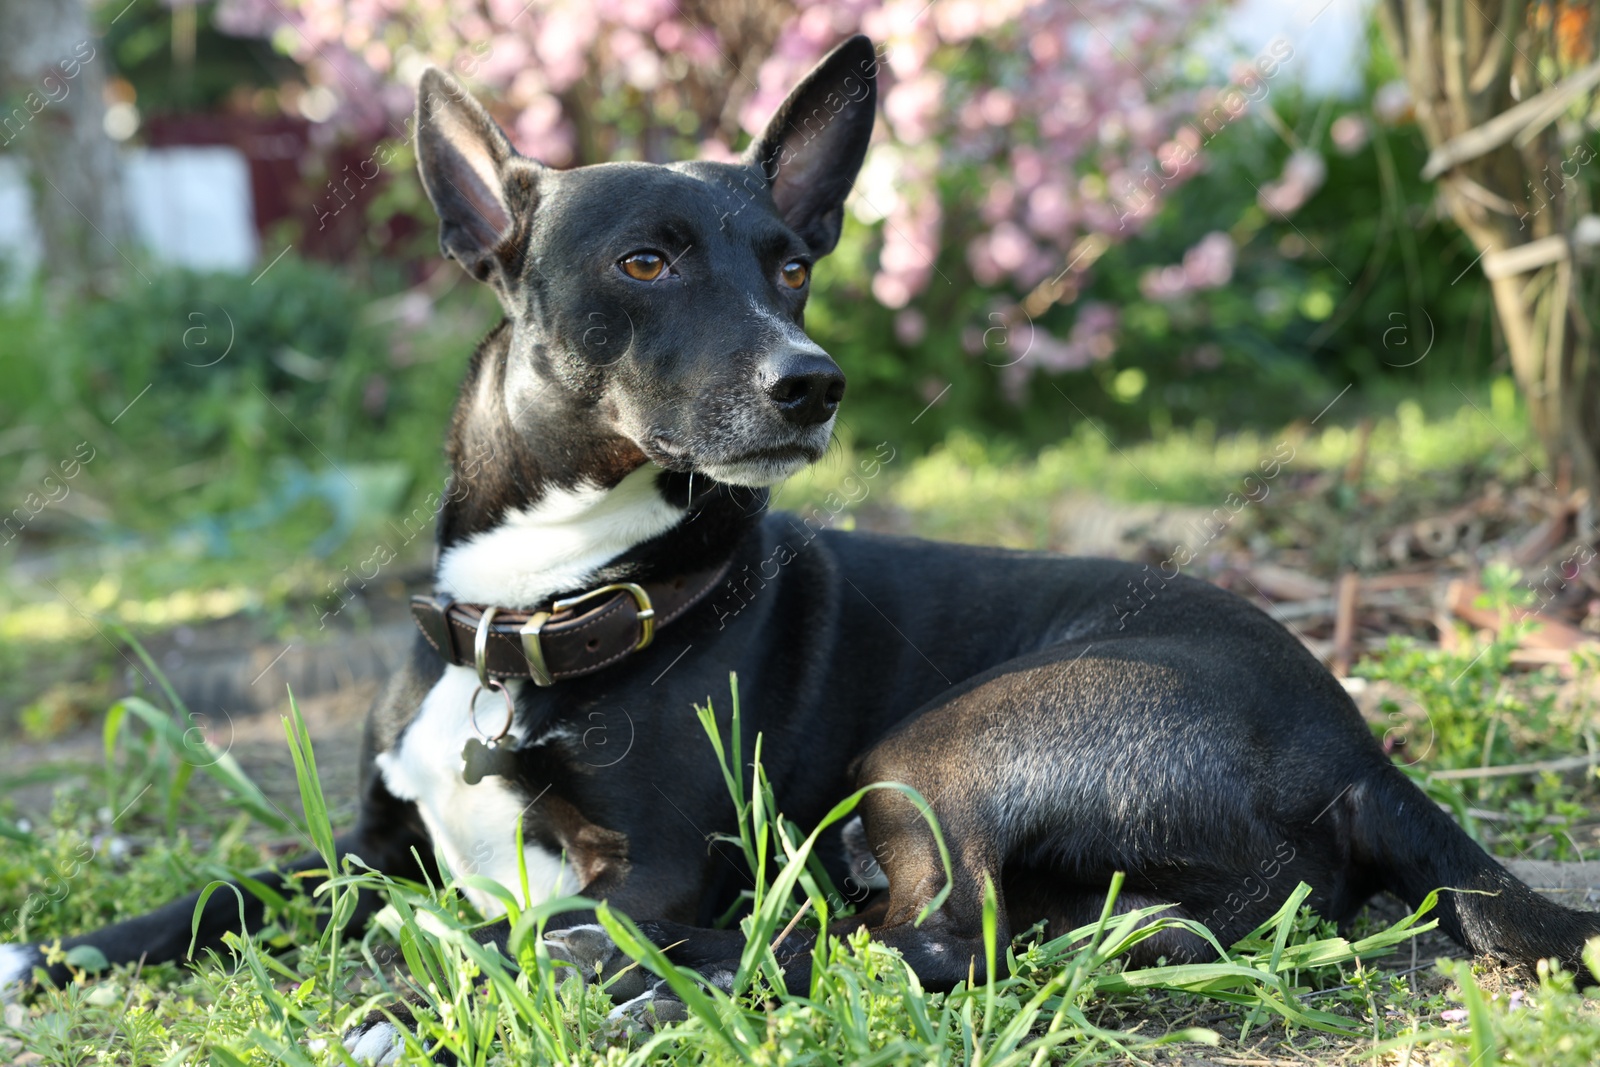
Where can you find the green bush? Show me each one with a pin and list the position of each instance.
(1360, 285)
(207, 395)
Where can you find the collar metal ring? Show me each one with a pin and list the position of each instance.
(480, 648)
(494, 685)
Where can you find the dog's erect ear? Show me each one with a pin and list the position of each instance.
(462, 155)
(814, 145)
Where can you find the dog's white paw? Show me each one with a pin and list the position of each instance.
(642, 1014)
(864, 868)
(16, 966)
(377, 1042)
(659, 1006)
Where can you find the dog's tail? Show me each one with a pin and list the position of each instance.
(1417, 848)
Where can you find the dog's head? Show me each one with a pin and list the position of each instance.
(662, 305)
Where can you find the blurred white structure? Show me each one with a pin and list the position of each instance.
(19, 237)
(1329, 39)
(190, 206)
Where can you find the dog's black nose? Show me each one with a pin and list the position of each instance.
(808, 389)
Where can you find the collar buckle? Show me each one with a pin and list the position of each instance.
(539, 670)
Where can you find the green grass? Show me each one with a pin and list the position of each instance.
(1471, 709)
(287, 995)
(969, 489)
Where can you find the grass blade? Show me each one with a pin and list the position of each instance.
(312, 802)
(222, 768)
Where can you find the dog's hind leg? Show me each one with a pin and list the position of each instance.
(1046, 775)
(947, 947)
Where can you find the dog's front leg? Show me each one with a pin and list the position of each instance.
(167, 934)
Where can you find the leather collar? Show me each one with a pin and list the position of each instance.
(573, 637)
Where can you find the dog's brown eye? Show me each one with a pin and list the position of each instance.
(794, 274)
(645, 266)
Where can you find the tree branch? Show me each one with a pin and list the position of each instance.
(1497, 50)
(1527, 119)
(1453, 53)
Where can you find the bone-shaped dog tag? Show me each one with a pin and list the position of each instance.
(484, 760)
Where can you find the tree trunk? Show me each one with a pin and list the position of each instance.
(1516, 177)
(52, 77)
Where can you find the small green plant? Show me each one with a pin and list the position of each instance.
(1553, 1023)
(1469, 708)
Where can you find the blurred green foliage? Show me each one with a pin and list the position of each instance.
(1363, 284)
(177, 60)
(229, 442)
(219, 395)
(255, 399)
(1360, 286)
(289, 412)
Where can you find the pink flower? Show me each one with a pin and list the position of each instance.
(913, 106)
(959, 20)
(1009, 246)
(1028, 347)
(999, 107)
(1163, 283)
(1046, 48)
(891, 291)
(1209, 264)
(985, 271)
(1303, 175)
(1027, 166)
(1055, 119)
(1392, 102)
(999, 201)
(1049, 211)
(1349, 134)
(910, 327)
(1095, 319)
(1050, 353)
(816, 26)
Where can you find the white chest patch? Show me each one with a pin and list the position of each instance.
(557, 544)
(474, 826)
(553, 546)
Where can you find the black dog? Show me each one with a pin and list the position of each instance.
(603, 550)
